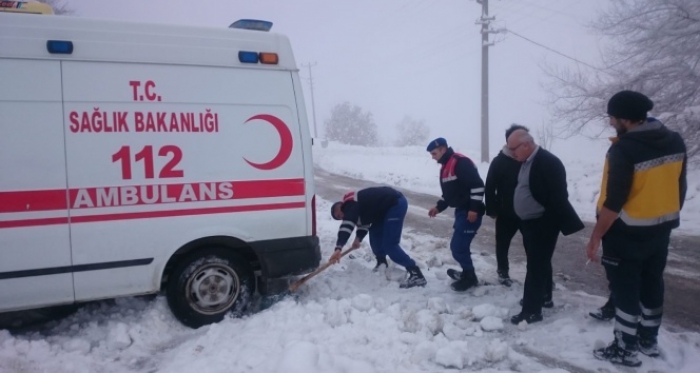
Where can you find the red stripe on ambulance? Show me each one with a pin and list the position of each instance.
(134, 195)
(149, 214)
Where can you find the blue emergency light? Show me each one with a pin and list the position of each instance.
(248, 57)
(252, 24)
(59, 46)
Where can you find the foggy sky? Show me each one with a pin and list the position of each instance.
(420, 58)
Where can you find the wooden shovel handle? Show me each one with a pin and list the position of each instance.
(294, 286)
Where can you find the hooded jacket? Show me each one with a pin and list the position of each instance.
(644, 179)
(501, 180)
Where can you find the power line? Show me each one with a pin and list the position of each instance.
(554, 51)
(550, 9)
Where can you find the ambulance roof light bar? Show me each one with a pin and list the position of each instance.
(252, 24)
(33, 7)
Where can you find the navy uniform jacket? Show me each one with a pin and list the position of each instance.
(362, 208)
(462, 187)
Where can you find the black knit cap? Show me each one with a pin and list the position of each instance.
(629, 105)
(333, 209)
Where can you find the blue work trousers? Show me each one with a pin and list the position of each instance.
(464, 233)
(385, 235)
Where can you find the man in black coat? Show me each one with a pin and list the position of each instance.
(541, 201)
(501, 181)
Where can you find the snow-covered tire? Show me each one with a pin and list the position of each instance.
(207, 284)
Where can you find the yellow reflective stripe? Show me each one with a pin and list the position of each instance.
(649, 221)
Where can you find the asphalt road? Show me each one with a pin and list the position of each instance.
(682, 279)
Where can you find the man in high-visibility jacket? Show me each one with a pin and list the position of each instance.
(643, 189)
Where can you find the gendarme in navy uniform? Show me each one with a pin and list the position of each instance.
(379, 211)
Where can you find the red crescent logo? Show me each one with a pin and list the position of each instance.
(286, 143)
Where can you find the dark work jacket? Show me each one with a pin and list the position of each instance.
(363, 208)
(501, 180)
(462, 187)
(548, 187)
(646, 164)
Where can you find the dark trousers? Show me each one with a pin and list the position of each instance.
(385, 235)
(635, 267)
(460, 245)
(506, 227)
(540, 239)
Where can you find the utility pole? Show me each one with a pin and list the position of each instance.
(485, 22)
(313, 104)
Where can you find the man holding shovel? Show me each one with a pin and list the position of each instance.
(379, 211)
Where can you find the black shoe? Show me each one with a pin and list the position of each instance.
(527, 317)
(649, 347)
(466, 281)
(415, 278)
(545, 303)
(603, 313)
(380, 262)
(454, 274)
(504, 279)
(617, 355)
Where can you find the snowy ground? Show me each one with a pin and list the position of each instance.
(350, 320)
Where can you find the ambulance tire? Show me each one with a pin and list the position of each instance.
(209, 283)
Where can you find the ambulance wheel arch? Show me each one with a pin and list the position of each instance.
(209, 281)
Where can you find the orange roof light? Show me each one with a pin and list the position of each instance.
(269, 58)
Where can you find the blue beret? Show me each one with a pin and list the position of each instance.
(436, 143)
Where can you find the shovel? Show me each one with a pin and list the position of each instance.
(268, 301)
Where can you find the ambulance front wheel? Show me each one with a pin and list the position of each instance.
(207, 284)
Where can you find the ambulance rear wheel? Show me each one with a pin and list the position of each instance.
(208, 284)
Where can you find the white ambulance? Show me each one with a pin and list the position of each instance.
(136, 158)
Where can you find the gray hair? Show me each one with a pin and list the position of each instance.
(522, 136)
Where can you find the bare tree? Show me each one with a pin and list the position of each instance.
(655, 49)
(350, 125)
(60, 7)
(412, 132)
(545, 136)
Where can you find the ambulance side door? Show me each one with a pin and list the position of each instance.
(35, 254)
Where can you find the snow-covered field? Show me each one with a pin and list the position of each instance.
(413, 169)
(351, 320)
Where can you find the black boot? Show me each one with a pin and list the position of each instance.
(466, 281)
(527, 317)
(648, 346)
(415, 278)
(504, 279)
(605, 313)
(380, 262)
(454, 274)
(616, 354)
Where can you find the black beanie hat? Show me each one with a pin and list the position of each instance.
(629, 105)
(333, 209)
